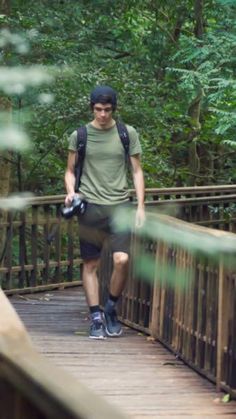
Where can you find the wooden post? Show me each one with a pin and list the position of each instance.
(34, 246)
(22, 251)
(9, 238)
(220, 328)
(157, 292)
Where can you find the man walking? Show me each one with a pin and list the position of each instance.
(104, 186)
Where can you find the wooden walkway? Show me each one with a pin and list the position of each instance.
(134, 373)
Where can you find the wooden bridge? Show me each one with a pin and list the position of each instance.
(174, 319)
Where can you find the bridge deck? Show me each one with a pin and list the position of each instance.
(138, 375)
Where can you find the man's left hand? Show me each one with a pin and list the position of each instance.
(140, 217)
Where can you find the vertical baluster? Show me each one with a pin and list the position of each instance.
(221, 332)
(47, 247)
(70, 251)
(57, 274)
(232, 338)
(127, 293)
(22, 250)
(34, 246)
(8, 252)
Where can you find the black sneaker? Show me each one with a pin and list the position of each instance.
(112, 325)
(97, 330)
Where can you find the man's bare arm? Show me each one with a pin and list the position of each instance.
(70, 177)
(139, 186)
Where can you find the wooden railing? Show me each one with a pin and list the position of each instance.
(182, 290)
(196, 321)
(42, 250)
(212, 206)
(31, 388)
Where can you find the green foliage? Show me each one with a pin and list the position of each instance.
(149, 52)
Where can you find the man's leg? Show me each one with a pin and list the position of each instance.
(120, 273)
(117, 284)
(90, 281)
(93, 226)
(91, 287)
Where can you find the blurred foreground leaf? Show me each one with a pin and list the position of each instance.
(148, 268)
(15, 80)
(12, 137)
(226, 398)
(15, 202)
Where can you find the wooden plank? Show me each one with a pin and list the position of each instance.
(41, 266)
(132, 372)
(38, 388)
(41, 288)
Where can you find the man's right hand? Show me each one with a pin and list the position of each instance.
(69, 198)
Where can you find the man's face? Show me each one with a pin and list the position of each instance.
(102, 113)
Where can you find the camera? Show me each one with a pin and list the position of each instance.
(78, 206)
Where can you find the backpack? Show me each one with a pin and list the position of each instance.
(81, 149)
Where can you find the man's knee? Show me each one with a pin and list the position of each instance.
(120, 260)
(91, 265)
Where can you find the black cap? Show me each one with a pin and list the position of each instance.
(103, 94)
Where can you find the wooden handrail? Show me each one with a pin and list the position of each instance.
(186, 190)
(184, 226)
(34, 386)
(181, 289)
(189, 189)
(207, 200)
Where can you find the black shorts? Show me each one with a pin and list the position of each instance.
(97, 225)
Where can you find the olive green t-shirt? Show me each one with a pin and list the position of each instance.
(103, 179)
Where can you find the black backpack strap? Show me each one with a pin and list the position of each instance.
(81, 149)
(124, 136)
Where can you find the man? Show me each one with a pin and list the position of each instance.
(104, 186)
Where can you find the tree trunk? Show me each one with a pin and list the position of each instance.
(195, 106)
(199, 26)
(194, 161)
(5, 176)
(5, 6)
(5, 156)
